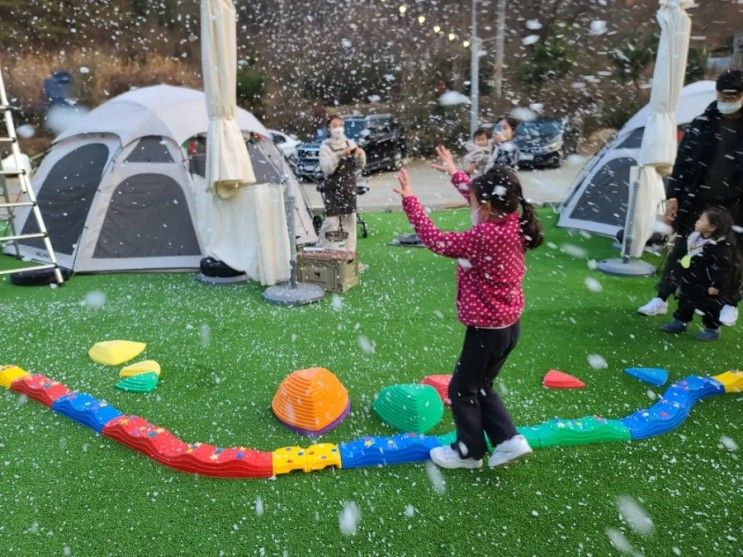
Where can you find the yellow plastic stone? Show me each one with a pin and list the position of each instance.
(115, 352)
(731, 380)
(146, 366)
(322, 455)
(10, 374)
(288, 459)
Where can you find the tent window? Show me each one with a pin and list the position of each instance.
(604, 199)
(148, 217)
(633, 140)
(266, 170)
(66, 195)
(150, 149)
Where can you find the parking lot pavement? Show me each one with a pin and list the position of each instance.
(541, 187)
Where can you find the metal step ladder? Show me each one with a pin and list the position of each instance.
(27, 198)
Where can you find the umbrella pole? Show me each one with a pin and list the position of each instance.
(292, 293)
(627, 266)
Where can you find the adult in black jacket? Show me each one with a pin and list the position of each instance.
(708, 172)
(703, 273)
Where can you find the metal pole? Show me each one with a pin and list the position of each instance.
(500, 34)
(290, 201)
(474, 72)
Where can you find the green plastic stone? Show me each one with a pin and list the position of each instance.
(412, 408)
(144, 383)
(581, 431)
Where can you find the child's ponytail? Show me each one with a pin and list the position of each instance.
(531, 228)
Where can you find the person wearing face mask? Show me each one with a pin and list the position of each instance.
(708, 172)
(340, 161)
(504, 151)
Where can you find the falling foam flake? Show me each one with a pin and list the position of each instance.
(409, 511)
(571, 249)
(635, 515)
(348, 520)
(618, 540)
(593, 285)
(336, 302)
(437, 479)
(95, 299)
(597, 361)
(728, 443)
(259, 506)
(530, 39)
(366, 345)
(205, 334)
(598, 27)
(533, 24)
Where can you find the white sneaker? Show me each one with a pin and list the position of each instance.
(509, 451)
(446, 457)
(728, 315)
(656, 306)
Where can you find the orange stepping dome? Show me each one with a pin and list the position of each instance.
(555, 379)
(311, 401)
(440, 383)
(115, 352)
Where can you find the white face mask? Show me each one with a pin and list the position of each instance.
(336, 133)
(729, 108)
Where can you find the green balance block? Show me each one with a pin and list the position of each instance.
(581, 431)
(412, 408)
(144, 383)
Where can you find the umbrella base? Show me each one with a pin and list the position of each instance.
(284, 295)
(221, 281)
(630, 268)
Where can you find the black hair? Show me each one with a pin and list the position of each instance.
(513, 122)
(500, 188)
(479, 132)
(720, 219)
(333, 117)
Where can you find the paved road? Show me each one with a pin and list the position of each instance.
(434, 189)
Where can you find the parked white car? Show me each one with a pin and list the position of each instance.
(287, 143)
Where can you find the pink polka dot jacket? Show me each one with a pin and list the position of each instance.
(491, 265)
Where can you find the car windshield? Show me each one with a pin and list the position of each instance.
(353, 127)
(537, 128)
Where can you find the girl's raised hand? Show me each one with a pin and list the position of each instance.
(404, 179)
(446, 161)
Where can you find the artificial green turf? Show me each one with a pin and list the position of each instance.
(223, 353)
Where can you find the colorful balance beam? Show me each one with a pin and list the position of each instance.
(162, 446)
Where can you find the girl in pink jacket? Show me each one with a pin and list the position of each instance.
(490, 301)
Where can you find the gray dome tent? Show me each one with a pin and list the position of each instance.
(116, 191)
(598, 199)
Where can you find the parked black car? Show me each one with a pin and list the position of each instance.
(545, 141)
(381, 136)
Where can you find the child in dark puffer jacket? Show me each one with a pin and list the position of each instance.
(704, 272)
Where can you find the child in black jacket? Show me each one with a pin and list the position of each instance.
(703, 272)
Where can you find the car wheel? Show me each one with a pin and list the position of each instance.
(397, 160)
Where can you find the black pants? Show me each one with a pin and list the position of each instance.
(476, 407)
(710, 305)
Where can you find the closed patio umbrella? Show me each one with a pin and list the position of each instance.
(659, 142)
(241, 223)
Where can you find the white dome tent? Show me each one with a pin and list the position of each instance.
(598, 199)
(116, 190)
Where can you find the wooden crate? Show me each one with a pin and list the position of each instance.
(334, 270)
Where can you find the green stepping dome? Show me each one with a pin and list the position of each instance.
(144, 383)
(412, 408)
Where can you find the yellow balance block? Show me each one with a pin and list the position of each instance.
(146, 366)
(115, 352)
(731, 380)
(10, 374)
